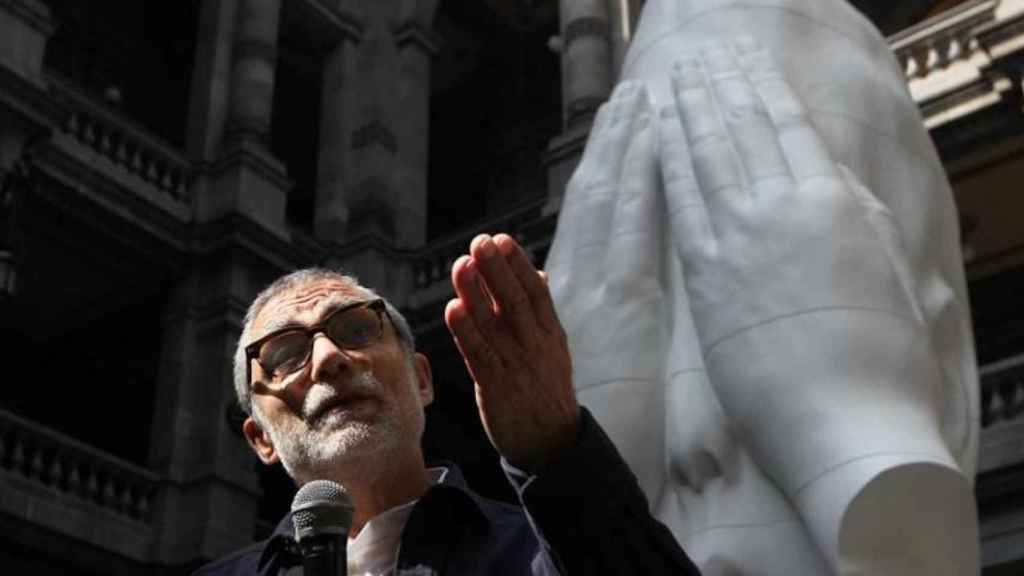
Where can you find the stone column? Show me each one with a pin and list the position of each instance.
(622, 18)
(252, 75)
(586, 58)
(587, 76)
(245, 178)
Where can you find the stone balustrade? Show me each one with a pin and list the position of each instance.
(936, 43)
(68, 468)
(435, 263)
(1002, 392)
(129, 147)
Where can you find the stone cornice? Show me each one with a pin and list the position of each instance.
(334, 24)
(28, 100)
(32, 12)
(239, 234)
(954, 61)
(254, 154)
(414, 33)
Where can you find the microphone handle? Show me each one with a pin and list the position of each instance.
(323, 555)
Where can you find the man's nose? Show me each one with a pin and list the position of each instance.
(327, 358)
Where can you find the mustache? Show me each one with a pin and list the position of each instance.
(321, 395)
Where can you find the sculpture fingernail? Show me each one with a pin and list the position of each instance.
(686, 74)
(720, 61)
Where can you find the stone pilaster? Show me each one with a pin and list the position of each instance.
(337, 125)
(207, 503)
(374, 134)
(27, 27)
(211, 79)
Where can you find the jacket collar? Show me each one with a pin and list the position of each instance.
(281, 548)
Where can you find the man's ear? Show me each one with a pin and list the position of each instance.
(424, 378)
(259, 441)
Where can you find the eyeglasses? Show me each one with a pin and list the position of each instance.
(288, 350)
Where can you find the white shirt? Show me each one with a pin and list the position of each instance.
(374, 551)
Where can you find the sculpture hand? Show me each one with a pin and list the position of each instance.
(604, 262)
(607, 270)
(800, 291)
(506, 328)
(767, 225)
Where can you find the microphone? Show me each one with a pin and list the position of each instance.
(322, 515)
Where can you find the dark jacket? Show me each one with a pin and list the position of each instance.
(584, 514)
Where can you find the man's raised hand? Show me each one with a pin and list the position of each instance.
(505, 325)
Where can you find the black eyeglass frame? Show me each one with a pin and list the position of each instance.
(252, 351)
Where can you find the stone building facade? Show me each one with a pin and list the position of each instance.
(161, 162)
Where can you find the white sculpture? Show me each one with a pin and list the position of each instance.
(760, 273)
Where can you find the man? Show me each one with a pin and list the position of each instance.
(334, 389)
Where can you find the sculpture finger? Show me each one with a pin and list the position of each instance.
(585, 218)
(566, 230)
(602, 188)
(632, 250)
(714, 163)
(688, 221)
(744, 117)
(804, 149)
(885, 226)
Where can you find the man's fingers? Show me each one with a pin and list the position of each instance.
(532, 281)
(512, 303)
(481, 361)
(466, 281)
(745, 117)
(804, 149)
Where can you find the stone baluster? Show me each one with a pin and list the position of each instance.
(18, 453)
(74, 479)
(92, 486)
(55, 474)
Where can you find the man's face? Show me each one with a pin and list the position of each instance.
(346, 411)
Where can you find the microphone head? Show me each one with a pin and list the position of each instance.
(321, 507)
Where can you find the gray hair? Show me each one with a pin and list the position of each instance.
(289, 282)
